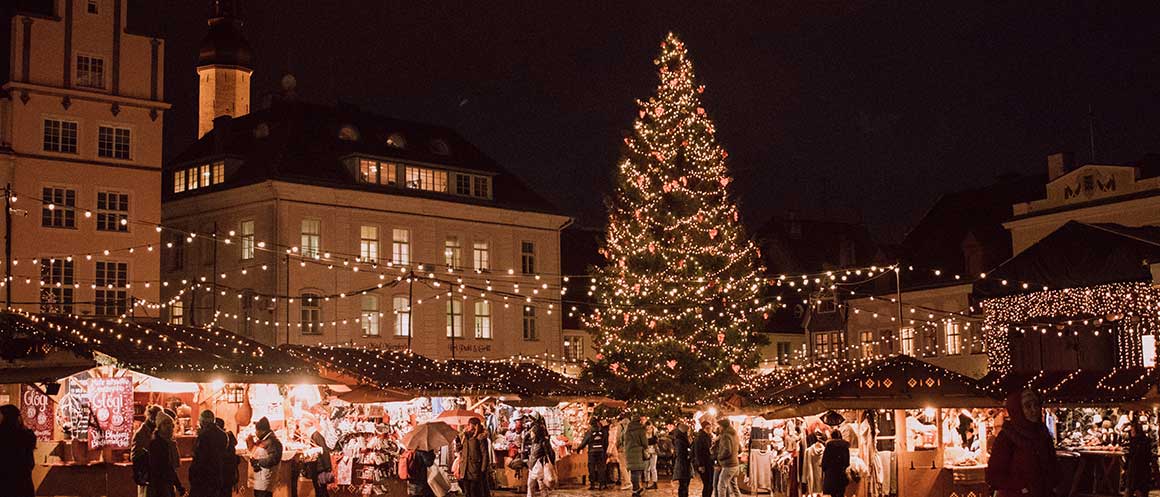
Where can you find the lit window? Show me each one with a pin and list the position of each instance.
(376, 173)
(829, 344)
(481, 255)
(527, 257)
(462, 184)
(402, 308)
(370, 315)
(530, 323)
(348, 133)
(451, 251)
(311, 314)
(113, 211)
(112, 284)
(60, 136)
(90, 72)
(483, 319)
(482, 187)
(206, 175)
(401, 246)
(953, 337)
(113, 142)
(246, 231)
(396, 140)
(58, 208)
(421, 178)
(906, 341)
(192, 175)
(177, 313)
(573, 349)
(178, 181)
(56, 296)
(219, 173)
(311, 237)
(368, 245)
(867, 339)
(454, 318)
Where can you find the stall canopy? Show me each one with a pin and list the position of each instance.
(177, 353)
(407, 372)
(1121, 387)
(889, 382)
(1077, 255)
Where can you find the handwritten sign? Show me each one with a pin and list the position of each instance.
(38, 415)
(111, 404)
(76, 408)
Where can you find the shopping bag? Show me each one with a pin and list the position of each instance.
(438, 481)
(550, 476)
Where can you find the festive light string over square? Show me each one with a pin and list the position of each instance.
(679, 296)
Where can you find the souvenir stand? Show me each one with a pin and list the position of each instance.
(83, 385)
(1088, 413)
(877, 404)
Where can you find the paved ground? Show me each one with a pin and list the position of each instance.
(664, 489)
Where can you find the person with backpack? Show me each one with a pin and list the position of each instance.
(139, 449)
(230, 461)
(596, 441)
(205, 472)
(413, 468)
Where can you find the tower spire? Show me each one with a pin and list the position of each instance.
(224, 66)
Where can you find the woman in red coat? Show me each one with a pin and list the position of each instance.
(1023, 460)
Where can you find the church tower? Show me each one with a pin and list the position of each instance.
(224, 66)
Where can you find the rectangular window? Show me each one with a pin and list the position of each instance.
(952, 334)
(573, 349)
(829, 344)
(784, 353)
(311, 314)
(112, 282)
(368, 244)
(454, 318)
(482, 187)
(192, 174)
(90, 72)
(527, 257)
(906, 341)
(402, 308)
(176, 246)
(530, 323)
(481, 255)
(311, 237)
(178, 181)
(219, 173)
(113, 142)
(206, 175)
(376, 173)
(60, 136)
(113, 211)
(930, 341)
(58, 208)
(867, 339)
(483, 319)
(370, 316)
(462, 184)
(421, 178)
(92, 8)
(821, 344)
(56, 296)
(827, 304)
(177, 313)
(246, 231)
(452, 252)
(977, 344)
(886, 341)
(401, 246)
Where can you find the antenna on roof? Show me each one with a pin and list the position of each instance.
(1092, 131)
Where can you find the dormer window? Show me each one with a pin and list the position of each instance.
(201, 176)
(396, 140)
(470, 185)
(376, 173)
(348, 133)
(440, 147)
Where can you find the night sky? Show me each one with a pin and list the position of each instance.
(840, 110)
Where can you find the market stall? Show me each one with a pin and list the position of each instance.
(907, 422)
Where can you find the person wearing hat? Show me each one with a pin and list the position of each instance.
(835, 460)
(728, 457)
(230, 460)
(703, 456)
(265, 456)
(205, 472)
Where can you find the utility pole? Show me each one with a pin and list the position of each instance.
(213, 298)
(898, 297)
(410, 308)
(8, 246)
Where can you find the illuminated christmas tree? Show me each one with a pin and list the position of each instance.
(678, 299)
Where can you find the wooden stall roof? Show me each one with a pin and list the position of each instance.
(1114, 388)
(175, 353)
(890, 382)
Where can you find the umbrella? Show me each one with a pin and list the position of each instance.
(457, 417)
(429, 436)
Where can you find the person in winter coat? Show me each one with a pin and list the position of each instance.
(474, 462)
(229, 462)
(728, 457)
(703, 456)
(1023, 462)
(835, 460)
(17, 444)
(650, 453)
(162, 468)
(209, 449)
(540, 455)
(623, 476)
(320, 465)
(139, 447)
(265, 456)
(1140, 459)
(596, 441)
(417, 485)
(633, 443)
(682, 458)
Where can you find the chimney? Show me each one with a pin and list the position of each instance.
(1058, 164)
